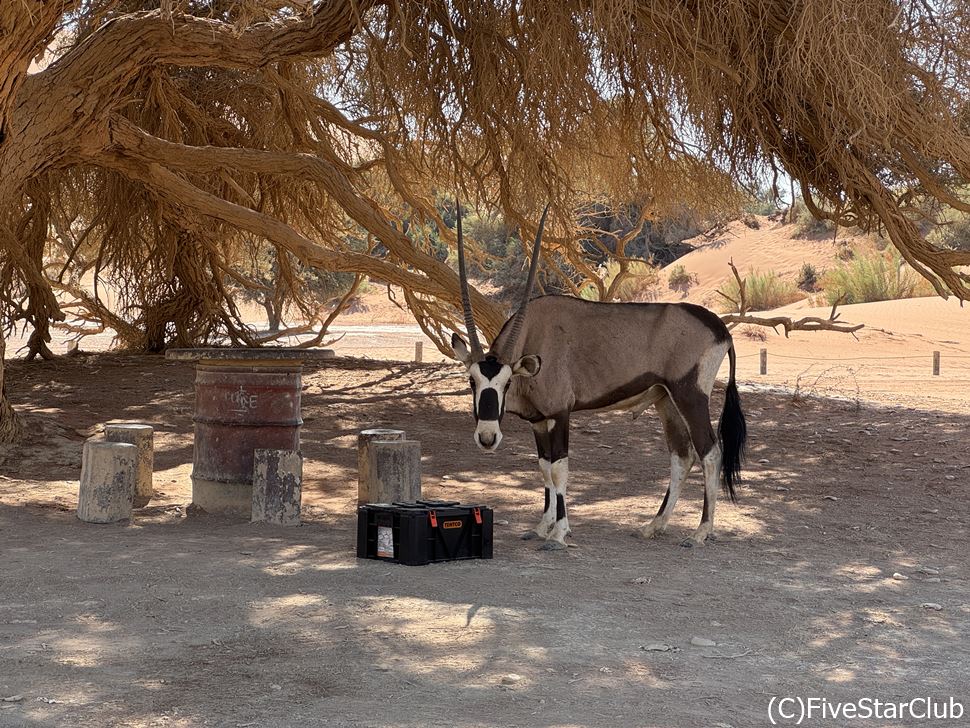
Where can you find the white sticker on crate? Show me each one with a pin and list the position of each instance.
(385, 542)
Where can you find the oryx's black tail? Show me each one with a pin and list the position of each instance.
(732, 432)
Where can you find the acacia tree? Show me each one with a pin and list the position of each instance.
(163, 136)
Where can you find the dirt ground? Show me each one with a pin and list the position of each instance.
(188, 620)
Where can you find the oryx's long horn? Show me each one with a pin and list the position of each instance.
(466, 304)
(508, 345)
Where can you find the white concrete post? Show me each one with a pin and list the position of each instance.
(394, 468)
(142, 437)
(277, 487)
(364, 477)
(107, 481)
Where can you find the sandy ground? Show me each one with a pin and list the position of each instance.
(178, 620)
(853, 517)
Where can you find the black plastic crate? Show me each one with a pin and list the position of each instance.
(424, 532)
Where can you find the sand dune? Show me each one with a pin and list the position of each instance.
(771, 247)
(889, 361)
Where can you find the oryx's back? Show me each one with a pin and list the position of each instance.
(595, 354)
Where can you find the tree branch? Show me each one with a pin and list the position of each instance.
(60, 112)
(135, 143)
(808, 323)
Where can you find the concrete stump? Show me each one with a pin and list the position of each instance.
(394, 471)
(142, 437)
(277, 487)
(107, 481)
(364, 477)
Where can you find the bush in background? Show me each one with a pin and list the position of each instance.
(874, 276)
(763, 291)
(809, 226)
(679, 279)
(954, 233)
(808, 278)
(639, 285)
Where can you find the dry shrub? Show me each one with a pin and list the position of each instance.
(874, 276)
(639, 283)
(763, 292)
(750, 221)
(954, 233)
(678, 278)
(808, 278)
(755, 333)
(809, 226)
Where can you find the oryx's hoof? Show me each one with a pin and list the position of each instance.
(648, 532)
(553, 546)
(529, 535)
(695, 540)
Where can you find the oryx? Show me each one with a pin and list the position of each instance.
(559, 354)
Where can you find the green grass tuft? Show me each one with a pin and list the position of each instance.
(764, 291)
(874, 276)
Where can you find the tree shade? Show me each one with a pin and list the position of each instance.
(165, 142)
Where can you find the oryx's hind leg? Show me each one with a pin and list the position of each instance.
(552, 442)
(682, 459)
(694, 406)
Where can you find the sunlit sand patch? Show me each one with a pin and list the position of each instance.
(288, 602)
(832, 629)
(450, 636)
(301, 563)
(88, 650)
(858, 572)
(840, 675)
(646, 675)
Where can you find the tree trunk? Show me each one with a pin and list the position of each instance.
(10, 428)
(272, 314)
(791, 210)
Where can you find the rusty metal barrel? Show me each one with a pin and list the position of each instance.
(237, 410)
(245, 399)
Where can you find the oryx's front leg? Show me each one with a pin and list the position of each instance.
(543, 445)
(552, 442)
(556, 539)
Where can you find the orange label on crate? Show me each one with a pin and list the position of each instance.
(451, 524)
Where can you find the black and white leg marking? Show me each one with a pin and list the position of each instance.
(552, 443)
(548, 520)
(712, 469)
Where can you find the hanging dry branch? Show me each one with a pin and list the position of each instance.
(165, 145)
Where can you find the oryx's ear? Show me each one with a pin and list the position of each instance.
(527, 366)
(460, 348)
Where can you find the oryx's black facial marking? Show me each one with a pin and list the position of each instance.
(490, 367)
(490, 380)
(488, 408)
